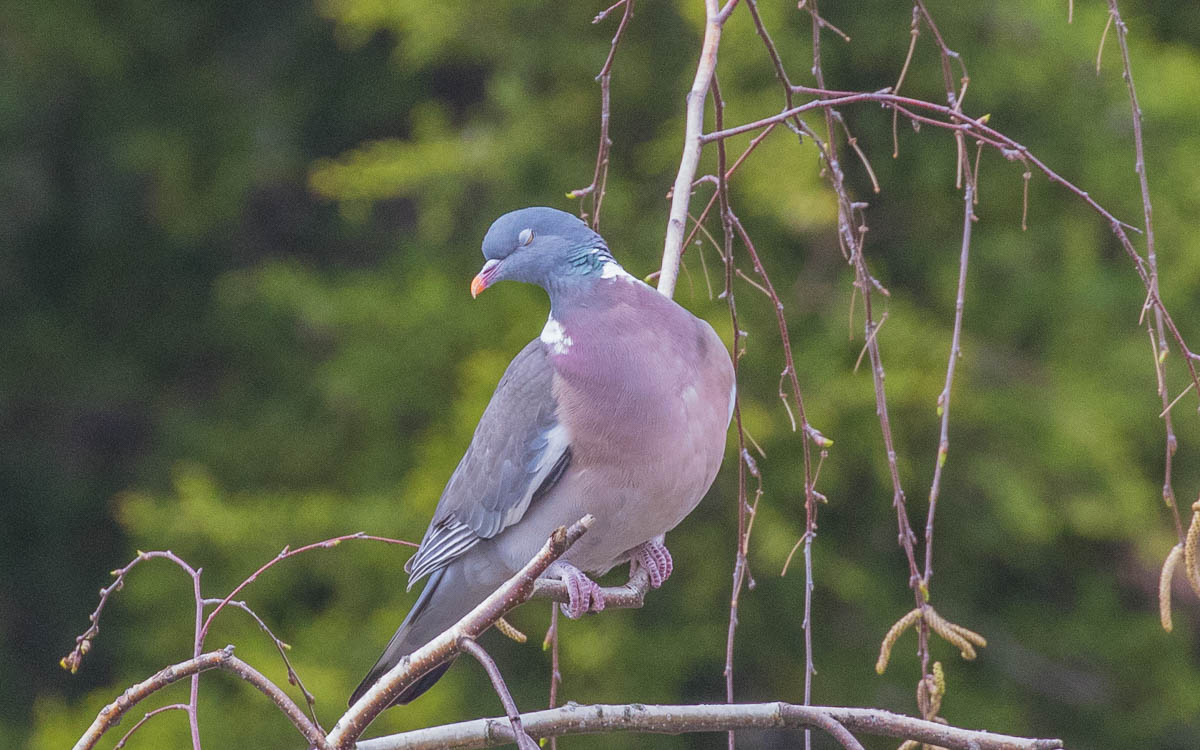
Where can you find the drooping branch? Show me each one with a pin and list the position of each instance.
(599, 183)
(83, 642)
(851, 240)
(740, 559)
(1008, 147)
(943, 407)
(578, 719)
(1158, 333)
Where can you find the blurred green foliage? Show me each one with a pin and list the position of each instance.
(237, 241)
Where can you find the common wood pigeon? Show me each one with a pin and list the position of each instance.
(619, 409)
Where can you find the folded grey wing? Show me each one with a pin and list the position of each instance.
(517, 454)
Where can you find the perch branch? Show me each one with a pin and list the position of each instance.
(629, 595)
(515, 591)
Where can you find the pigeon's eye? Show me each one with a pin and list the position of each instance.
(525, 237)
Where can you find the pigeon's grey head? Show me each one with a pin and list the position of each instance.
(542, 246)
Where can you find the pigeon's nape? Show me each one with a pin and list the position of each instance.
(619, 409)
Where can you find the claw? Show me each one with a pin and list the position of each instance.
(585, 594)
(655, 559)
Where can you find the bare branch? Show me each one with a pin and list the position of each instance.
(682, 192)
(515, 591)
(580, 719)
(111, 714)
(286, 705)
(83, 642)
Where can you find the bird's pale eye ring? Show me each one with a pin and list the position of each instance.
(525, 237)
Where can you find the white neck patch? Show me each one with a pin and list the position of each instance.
(612, 270)
(555, 336)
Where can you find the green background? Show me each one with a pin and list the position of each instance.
(236, 242)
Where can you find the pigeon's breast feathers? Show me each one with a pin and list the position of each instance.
(635, 372)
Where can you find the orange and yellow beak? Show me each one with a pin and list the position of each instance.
(484, 278)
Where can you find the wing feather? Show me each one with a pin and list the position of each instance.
(518, 452)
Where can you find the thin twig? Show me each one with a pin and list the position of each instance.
(111, 714)
(284, 554)
(852, 247)
(739, 559)
(148, 716)
(914, 31)
(954, 96)
(282, 648)
(1166, 413)
(1139, 166)
(699, 221)
(522, 740)
(83, 642)
(597, 189)
(604, 13)
(1008, 148)
(1103, 37)
(789, 370)
(943, 402)
(555, 673)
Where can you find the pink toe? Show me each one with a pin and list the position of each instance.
(654, 557)
(577, 603)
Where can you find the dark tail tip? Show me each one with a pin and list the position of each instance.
(413, 692)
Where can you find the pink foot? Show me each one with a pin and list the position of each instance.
(654, 557)
(586, 595)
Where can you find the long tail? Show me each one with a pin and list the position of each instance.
(447, 597)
